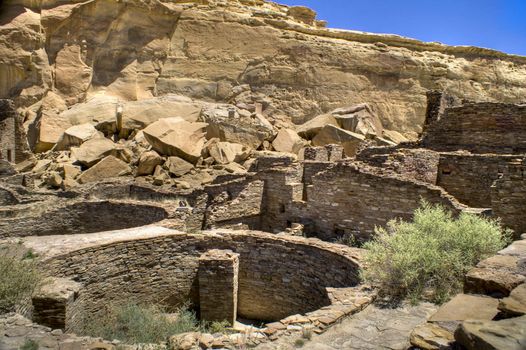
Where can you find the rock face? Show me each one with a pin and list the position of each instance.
(136, 50)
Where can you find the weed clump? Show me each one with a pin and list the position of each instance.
(430, 255)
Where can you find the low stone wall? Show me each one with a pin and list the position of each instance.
(479, 128)
(354, 199)
(278, 276)
(414, 163)
(80, 217)
(508, 196)
(469, 177)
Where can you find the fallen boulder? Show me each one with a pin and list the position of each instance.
(311, 128)
(177, 166)
(76, 136)
(107, 168)
(147, 163)
(177, 137)
(227, 152)
(331, 134)
(288, 141)
(92, 151)
(228, 125)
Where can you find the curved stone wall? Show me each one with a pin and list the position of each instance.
(278, 276)
(81, 217)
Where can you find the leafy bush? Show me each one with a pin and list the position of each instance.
(431, 254)
(137, 324)
(18, 278)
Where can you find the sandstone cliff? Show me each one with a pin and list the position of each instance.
(57, 53)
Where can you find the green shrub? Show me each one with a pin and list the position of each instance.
(18, 278)
(29, 344)
(431, 254)
(137, 324)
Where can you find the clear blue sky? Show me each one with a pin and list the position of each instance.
(496, 24)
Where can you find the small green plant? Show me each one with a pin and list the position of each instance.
(18, 279)
(29, 344)
(135, 324)
(217, 327)
(29, 255)
(299, 343)
(430, 254)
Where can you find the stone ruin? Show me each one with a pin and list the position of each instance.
(146, 155)
(237, 248)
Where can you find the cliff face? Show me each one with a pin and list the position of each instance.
(210, 50)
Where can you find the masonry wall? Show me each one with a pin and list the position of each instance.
(414, 163)
(469, 177)
(278, 276)
(508, 197)
(7, 130)
(81, 217)
(353, 199)
(479, 128)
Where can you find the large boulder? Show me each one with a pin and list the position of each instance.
(311, 128)
(288, 141)
(45, 131)
(177, 166)
(177, 137)
(138, 115)
(147, 163)
(76, 136)
(101, 111)
(92, 151)
(331, 134)
(227, 124)
(509, 334)
(359, 119)
(227, 152)
(107, 168)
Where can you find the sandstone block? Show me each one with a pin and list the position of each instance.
(288, 141)
(227, 152)
(177, 166)
(311, 128)
(177, 137)
(515, 304)
(76, 136)
(107, 168)
(331, 134)
(463, 307)
(430, 336)
(507, 334)
(147, 163)
(92, 151)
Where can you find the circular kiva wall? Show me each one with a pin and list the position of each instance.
(80, 217)
(278, 276)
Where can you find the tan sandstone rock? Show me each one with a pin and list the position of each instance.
(515, 304)
(177, 137)
(107, 168)
(227, 152)
(311, 128)
(507, 334)
(430, 336)
(177, 166)
(288, 141)
(76, 136)
(147, 163)
(92, 151)
(331, 134)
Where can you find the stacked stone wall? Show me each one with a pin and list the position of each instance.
(469, 177)
(508, 196)
(81, 217)
(479, 128)
(278, 276)
(7, 130)
(353, 199)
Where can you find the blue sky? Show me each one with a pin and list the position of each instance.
(496, 24)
